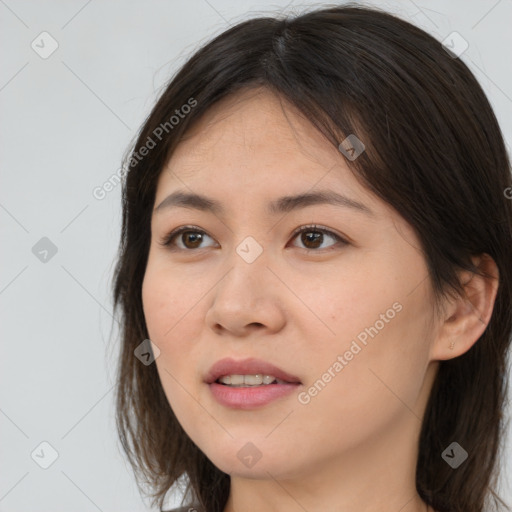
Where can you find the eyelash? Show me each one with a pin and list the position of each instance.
(167, 240)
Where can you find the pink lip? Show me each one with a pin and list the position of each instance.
(252, 366)
(248, 397)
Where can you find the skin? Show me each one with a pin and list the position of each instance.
(353, 447)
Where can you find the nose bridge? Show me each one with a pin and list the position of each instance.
(248, 264)
(246, 294)
(250, 250)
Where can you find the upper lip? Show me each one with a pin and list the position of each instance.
(251, 366)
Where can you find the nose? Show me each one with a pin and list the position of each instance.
(249, 298)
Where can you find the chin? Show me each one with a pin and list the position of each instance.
(243, 460)
(233, 467)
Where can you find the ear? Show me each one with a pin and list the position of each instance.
(466, 318)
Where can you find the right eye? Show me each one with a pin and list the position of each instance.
(190, 236)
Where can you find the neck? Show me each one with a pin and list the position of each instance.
(376, 477)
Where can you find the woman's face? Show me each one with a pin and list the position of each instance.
(350, 318)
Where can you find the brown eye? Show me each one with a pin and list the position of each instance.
(313, 237)
(185, 238)
(192, 237)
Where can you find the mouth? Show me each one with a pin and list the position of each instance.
(248, 373)
(249, 383)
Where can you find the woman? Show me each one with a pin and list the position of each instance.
(314, 274)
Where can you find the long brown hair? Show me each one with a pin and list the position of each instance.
(434, 152)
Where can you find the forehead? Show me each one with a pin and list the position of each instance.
(254, 133)
(255, 121)
(255, 144)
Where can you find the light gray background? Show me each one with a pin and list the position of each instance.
(66, 121)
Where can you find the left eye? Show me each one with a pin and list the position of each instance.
(191, 237)
(315, 236)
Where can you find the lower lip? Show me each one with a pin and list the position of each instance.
(250, 397)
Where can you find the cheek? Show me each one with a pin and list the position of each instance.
(174, 319)
(167, 301)
(378, 382)
(169, 314)
(381, 333)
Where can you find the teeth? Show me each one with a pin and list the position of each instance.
(249, 380)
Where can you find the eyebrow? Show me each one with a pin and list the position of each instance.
(278, 206)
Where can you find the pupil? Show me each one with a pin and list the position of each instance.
(192, 235)
(316, 236)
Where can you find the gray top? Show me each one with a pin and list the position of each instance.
(190, 508)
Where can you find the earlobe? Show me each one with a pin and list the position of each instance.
(466, 317)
